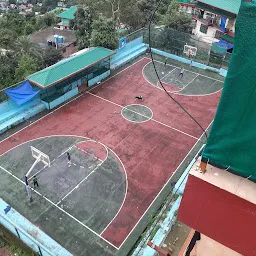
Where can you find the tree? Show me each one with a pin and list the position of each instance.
(29, 29)
(8, 63)
(131, 15)
(146, 8)
(51, 56)
(49, 19)
(24, 46)
(83, 26)
(115, 10)
(104, 34)
(7, 38)
(177, 19)
(26, 66)
(14, 22)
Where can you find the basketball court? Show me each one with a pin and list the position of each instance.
(124, 153)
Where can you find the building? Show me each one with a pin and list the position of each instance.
(219, 201)
(66, 17)
(221, 207)
(188, 6)
(215, 19)
(3, 5)
(72, 75)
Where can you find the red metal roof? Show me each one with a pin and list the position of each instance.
(219, 214)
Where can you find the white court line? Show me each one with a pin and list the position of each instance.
(126, 191)
(178, 92)
(78, 96)
(189, 83)
(167, 73)
(197, 95)
(148, 118)
(71, 216)
(145, 116)
(95, 86)
(87, 153)
(146, 79)
(188, 70)
(163, 187)
(93, 171)
(50, 161)
(85, 140)
(161, 79)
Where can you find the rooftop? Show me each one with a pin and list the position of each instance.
(70, 66)
(69, 14)
(222, 206)
(46, 34)
(226, 5)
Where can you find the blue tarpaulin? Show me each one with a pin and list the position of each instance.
(223, 23)
(225, 44)
(22, 93)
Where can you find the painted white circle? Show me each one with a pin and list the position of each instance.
(137, 113)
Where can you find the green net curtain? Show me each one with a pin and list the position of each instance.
(232, 140)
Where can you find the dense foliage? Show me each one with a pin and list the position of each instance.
(97, 23)
(19, 56)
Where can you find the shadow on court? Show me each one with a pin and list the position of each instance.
(84, 195)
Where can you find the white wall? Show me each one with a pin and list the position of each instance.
(209, 37)
(187, 9)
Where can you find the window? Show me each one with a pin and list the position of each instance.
(218, 34)
(204, 28)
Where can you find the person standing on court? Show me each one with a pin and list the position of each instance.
(165, 61)
(181, 72)
(69, 159)
(35, 181)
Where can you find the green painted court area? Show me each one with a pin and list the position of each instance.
(191, 83)
(85, 195)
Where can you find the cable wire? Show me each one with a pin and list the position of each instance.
(153, 62)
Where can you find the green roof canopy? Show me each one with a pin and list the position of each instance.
(215, 10)
(226, 5)
(69, 14)
(68, 67)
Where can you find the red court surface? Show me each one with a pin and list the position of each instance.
(150, 151)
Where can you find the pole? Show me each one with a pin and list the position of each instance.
(26, 179)
(158, 249)
(29, 193)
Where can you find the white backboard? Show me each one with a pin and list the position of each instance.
(38, 154)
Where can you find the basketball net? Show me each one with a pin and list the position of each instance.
(189, 53)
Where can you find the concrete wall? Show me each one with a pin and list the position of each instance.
(24, 229)
(128, 47)
(222, 72)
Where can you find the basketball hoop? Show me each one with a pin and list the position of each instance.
(190, 51)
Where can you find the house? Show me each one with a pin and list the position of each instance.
(188, 6)
(66, 17)
(215, 19)
(3, 4)
(219, 200)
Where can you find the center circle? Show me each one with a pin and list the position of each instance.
(137, 113)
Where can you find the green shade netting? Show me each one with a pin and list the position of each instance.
(232, 140)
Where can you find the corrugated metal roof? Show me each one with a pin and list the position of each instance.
(69, 14)
(227, 5)
(58, 72)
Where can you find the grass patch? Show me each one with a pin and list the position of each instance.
(19, 252)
